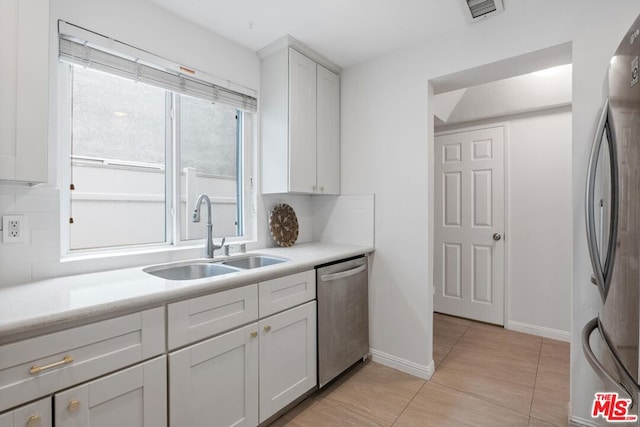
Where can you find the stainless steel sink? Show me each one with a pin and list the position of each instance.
(190, 270)
(254, 261)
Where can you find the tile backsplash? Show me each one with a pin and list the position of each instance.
(347, 219)
(41, 209)
(332, 219)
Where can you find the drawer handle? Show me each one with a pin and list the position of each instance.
(34, 421)
(267, 328)
(35, 369)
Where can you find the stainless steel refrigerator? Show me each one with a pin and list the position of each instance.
(613, 224)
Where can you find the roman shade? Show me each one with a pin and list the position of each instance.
(88, 49)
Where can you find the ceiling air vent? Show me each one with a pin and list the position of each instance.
(480, 9)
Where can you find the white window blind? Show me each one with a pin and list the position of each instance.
(90, 54)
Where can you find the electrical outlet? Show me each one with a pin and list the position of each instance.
(13, 228)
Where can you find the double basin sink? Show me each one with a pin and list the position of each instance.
(199, 269)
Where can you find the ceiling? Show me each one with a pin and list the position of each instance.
(344, 31)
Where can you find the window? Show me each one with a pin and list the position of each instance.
(143, 149)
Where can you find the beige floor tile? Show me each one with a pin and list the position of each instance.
(501, 363)
(533, 422)
(280, 422)
(377, 393)
(553, 376)
(488, 326)
(452, 319)
(446, 334)
(437, 405)
(329, 414)
(550, 406)
(558, 350)
(440, 352)
(507, 394)
(303, 406)
(499, 338)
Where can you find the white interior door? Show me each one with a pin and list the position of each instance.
(469, 224)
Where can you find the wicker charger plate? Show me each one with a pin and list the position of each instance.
(283, 225)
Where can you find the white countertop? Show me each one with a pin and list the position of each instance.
(32, 308)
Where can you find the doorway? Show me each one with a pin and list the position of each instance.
(524, 278)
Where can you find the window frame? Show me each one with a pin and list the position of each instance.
(174, 216)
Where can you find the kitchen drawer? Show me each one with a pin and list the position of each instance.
(198, 318)
(36, 414)
(285, 292)
(41, 365)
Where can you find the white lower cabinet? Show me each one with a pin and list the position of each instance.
(133, 397)
(36, 414)
(119, 372)
(287, 357)
(245, 376)
(215, 383)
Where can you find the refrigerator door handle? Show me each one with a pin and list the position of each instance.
(602, 274)
(599, 368)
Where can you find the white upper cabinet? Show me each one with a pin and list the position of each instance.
(24, 90)
(300, 110)
(328, 131)
(302, 123)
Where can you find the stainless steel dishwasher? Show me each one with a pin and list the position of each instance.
(343, 316)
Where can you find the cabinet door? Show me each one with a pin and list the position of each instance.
(215, 383)
(287, 358)
(24, 93)
(36, 414)
(302, 123)
(328, 132)
(133, 397)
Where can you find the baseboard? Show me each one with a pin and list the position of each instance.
(580, 422)
(542, 331)
(403, 365)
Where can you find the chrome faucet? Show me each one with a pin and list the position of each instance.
(210, 247)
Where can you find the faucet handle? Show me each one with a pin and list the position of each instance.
(220, 245)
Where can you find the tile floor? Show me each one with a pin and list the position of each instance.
(485, 376)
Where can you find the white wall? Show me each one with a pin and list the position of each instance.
(387, 129)
(540, 223)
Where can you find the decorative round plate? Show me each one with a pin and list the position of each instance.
(283, 225)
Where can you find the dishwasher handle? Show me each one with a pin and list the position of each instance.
(343, 274)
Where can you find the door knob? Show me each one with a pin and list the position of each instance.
(497, 236)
